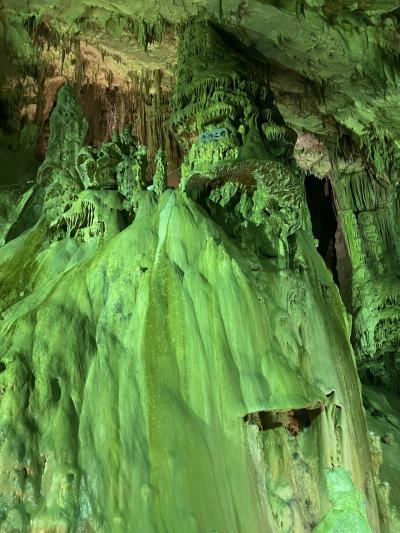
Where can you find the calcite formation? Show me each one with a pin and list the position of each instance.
(179, 360)
(367, 201)
(249, 164)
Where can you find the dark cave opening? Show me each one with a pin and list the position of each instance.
(294, 420)
(319, 197)
(55, 389)
(5, 117)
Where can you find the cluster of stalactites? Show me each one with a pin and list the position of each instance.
(121, 164)
(238, 147)
(108, 166)
(368, 208)
(85, 189)
(114, 179)
(216, 86)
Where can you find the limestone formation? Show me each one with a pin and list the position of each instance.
(183, 329)
(368, 209)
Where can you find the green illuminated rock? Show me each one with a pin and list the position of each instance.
(127, 420)
(348, 509)
(179, 360)
(368, 213)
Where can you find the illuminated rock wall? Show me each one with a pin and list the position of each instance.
(178, 360)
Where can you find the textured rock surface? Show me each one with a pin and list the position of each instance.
(368, 211)
(180, 360)
(130, 367)
(348, 509)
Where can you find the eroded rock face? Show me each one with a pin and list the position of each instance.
(368, 210)
(177, 360)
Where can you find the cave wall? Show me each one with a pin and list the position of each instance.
(201, 370)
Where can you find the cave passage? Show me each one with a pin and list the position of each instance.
(5, 118)
(320, 204)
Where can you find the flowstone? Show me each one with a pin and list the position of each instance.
(190, 370)
(239, 164)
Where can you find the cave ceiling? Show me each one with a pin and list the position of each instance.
(333, 66)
